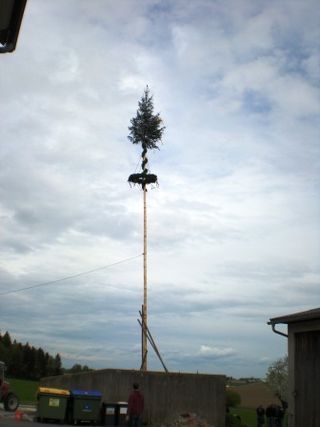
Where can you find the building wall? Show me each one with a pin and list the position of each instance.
(304, 374)
(167, 395)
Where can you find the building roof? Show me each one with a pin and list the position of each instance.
(297, 317)
(11, 14)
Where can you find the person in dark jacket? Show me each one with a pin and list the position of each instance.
(273, 415)
(260, 416)
(270, 416)
(135, 407)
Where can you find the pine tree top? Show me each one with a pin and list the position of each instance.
(146, 127)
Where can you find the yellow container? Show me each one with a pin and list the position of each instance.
(52, 404)
(49, 390)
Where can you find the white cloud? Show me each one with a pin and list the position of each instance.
(235, 218)
(215, 351)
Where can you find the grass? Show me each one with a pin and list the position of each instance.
(25, 390)
(252, 395)
(248, 416)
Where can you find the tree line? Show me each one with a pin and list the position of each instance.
(25, 361)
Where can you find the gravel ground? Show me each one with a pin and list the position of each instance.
(9, 419)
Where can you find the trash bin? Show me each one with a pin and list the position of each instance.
(109, 414)
(85, 405)
(121, 414)
(52, 404)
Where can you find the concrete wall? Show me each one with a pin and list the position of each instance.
(166, 395)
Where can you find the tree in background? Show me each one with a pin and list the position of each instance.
(277, 378)
(27, 362)
(6, 340)
(76, 368)
(41, 363)
(57, 365)
(16, 359)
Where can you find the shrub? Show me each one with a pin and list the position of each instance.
(233, 421)
(233, 398)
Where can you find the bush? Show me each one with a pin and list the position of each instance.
(233, 398)
(234, 421)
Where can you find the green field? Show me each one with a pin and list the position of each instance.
(25, 390)
(248, 416)
(252, 395)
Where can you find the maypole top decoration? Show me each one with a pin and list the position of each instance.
(146, 130)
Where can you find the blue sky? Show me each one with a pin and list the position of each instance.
(234, 223)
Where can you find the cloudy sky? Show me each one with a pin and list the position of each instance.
(234, 224)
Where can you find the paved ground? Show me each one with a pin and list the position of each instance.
(27, 415)
(12, 422)
(9, 419)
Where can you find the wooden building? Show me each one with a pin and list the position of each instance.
(303, 332)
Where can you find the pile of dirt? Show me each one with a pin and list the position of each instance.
(187, 420)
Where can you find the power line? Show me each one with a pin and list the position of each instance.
(69, 277)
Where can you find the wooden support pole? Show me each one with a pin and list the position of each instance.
(152, 342)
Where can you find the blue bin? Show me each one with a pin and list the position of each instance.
(85, 406)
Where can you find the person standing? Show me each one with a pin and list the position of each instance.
(135, 407)
(269, 416)
(260, 416)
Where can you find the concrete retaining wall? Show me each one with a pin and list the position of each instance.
(166, 395)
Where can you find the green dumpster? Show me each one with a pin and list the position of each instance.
(85, 406)
(122, 408)
(109, 414)
(52, 404)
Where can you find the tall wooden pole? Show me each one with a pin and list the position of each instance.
(146, 130)
(145, 284)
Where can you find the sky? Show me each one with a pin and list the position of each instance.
(233, 227)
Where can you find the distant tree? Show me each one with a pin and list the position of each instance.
(57, 365)
(16, 360)
(27, 362)
(277, 378)
(50, 365)
(33, 360)
(76, 368)
(6, 340)
(41, 363)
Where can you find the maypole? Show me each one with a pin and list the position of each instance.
(146, 130)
